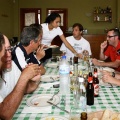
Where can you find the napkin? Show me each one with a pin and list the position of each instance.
(37, 110)
(48, 85)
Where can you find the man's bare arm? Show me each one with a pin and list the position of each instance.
(13, 100)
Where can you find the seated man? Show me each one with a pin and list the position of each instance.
(29, 49)
(9, 104)
(111, 49)
(77, 42)
(11, 73)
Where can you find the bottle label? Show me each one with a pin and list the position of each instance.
(90, 79)
(82, 88)
(96, 89)
(95, 74)
(64, 69)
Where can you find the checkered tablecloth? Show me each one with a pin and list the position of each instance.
(109, 98)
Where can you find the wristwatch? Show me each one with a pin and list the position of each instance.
(113, 74)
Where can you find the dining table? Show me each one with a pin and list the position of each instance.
(109, 98)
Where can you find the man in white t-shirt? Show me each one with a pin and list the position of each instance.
(19, 87)
(76, 41)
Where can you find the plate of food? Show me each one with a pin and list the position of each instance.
(41, 100)
(104, 115)
(52, 65)
(49, 78)
(54, 117)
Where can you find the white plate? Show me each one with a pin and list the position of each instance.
(52, 65)
(46, 78)
(41, 100)
(108, 69)
(54, 117)
(53, 46)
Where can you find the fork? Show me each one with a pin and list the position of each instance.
(52, 78)
(53, 96)
(110, 85)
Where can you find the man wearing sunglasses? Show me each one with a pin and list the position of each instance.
(110, 48)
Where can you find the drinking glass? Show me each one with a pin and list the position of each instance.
(73, 83)
(74, 113)
(74, 88)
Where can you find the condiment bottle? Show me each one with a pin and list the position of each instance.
(90, 90)
(96, 83)
(83, 116)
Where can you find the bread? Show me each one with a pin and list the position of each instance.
(114, 116)
(118, 117)
(106, 115)
(95, 119)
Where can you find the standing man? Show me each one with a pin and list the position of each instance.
(111, 49)
(9, 104)
(77, 42)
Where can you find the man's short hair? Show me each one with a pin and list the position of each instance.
(36, 25)
(29, 33)
(79, 26)
(2, 41)
(116, 32)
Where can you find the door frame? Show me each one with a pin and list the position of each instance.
(28, 10)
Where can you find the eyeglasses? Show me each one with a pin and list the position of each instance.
(111, 36)
(9, 50)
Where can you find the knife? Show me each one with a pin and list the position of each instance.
(58, 107)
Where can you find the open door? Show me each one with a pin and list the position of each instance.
(29, 16)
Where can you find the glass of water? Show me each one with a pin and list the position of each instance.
(74, 113)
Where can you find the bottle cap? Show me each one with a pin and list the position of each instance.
(63, 57)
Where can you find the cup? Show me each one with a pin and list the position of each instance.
(73, 83)
(74, 113)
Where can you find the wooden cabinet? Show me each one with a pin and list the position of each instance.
(95, 41)
(102, 17)
(102, 14)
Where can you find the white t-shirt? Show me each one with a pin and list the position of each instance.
(49, 35)
(21, 57)
(1, 99)
(78, 45)
(11, 77)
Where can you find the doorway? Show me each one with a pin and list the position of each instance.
(29, 16)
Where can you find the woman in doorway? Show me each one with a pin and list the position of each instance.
(50, 30)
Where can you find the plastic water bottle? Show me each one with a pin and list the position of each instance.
(64, 70)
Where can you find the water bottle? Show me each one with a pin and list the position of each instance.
(64, 70)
